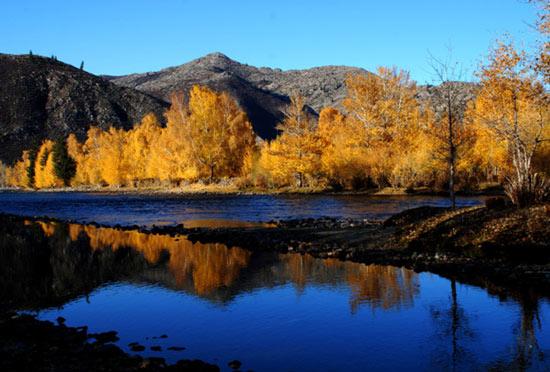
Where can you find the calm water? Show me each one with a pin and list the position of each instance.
(273, 312)
(130, 209)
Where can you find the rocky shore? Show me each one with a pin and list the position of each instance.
(28, 344)
(503, 244)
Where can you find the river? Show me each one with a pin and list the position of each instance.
(273, 312)
(163, 209)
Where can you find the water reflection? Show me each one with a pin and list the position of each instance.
(219, 222)
(48, 264)
(213, 271)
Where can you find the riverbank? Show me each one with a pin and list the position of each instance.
(504, 244)
(232, 189)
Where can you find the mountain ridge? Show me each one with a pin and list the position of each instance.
(263, 92)
(44, 98)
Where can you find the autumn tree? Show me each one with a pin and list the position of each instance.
(542, 59)
(171, 152)
(44, 170)
(219, 134)
(111, 157)
(344, 155)
(514, 105)
(448, 102)
(17, 175)
(31, 168)
(386, 107)
(88, 170)
(139, 147)
(296, 151)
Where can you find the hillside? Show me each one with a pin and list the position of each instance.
(43, 98)
(262, 92)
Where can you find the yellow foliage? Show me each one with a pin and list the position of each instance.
(294, 156)
(139, 146)
(211, 136)
(17, 176)
(344, 152)
(112, 160)
(388, 119)
(219, 134)
(44, 173)
(512, 115)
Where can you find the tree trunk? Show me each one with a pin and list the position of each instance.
(452, 178)
(212, 173)
(452, 151)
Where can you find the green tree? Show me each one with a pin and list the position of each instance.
(64, 164)
(31, 167)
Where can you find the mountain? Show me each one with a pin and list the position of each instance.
(44, 98)
(262, 92)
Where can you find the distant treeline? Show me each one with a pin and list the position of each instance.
(384, 136)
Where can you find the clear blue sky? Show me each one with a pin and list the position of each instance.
(124, 36)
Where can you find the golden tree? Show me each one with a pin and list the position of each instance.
(386, 107)
(171, 153)
(296, 152)
(542, 60)
(488, 156)
(112, 160)
(219, 134)
(139, 147)
(44, 173)
(514, 106)
(344, 157)
(88, 170)
(17, 175)
(448, 102)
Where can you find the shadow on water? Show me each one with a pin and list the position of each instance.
(47, 264)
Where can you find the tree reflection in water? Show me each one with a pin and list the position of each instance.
(47, 264)
(527, 354)
(453, 323)
(85, 256)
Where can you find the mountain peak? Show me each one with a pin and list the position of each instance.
(216, 60)
(262, 92)
(216, 55)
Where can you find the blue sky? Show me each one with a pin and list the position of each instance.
(124, 36)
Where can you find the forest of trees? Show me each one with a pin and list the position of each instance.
(384, 135)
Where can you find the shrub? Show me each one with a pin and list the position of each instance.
(534, 189)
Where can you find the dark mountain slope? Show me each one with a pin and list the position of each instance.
(43, 98)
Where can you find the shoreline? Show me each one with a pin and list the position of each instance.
(37, 345)
(435, 239)
(222, 190)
